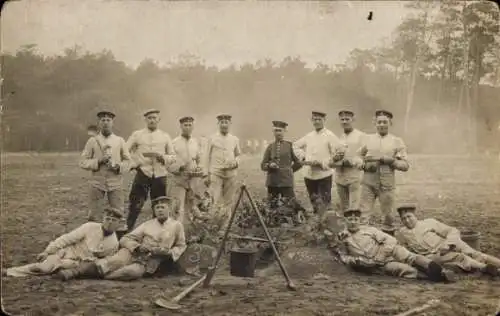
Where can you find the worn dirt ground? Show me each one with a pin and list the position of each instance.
(44, 196)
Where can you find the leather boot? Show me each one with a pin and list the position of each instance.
(490, 269)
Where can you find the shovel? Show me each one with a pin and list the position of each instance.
(173, 304)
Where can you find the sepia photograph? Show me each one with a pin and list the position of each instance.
(250, 158)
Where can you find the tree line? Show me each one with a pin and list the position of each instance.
(439, 76)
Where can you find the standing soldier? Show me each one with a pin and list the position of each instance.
(316, 150)
(152, 151)
(280, 163)
(186, 169)
(382, 153)
(222, 161)
(348, 173)
(107, 157)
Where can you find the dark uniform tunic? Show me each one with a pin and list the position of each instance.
(280, 181)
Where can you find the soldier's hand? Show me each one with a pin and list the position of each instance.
(103, 160)
(42, 256)
(160, 159)
(273, 165)
(339, 155)
(386, 160)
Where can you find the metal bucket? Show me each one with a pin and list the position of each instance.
(242, 262)
(471, 238)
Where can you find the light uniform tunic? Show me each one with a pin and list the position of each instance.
(147, 141)
(85, 243)
(222, 150)
(432, 238)
(188, 154)
(348, 178)
(371, 244)
(169, 235)
(104, 180)
(381, 183)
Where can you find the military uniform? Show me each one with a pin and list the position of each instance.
(280, 180)
(442, 243)
(370, 249)
(379, 179)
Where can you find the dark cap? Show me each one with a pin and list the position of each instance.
(224, 117)
(385, 113)
(115, 212)
(320, 114)
(280, 124)
(105, 113)
(352, 211)
(346, 112)
(151, 111)
(186, 119)
(161, 200)
(406, 208)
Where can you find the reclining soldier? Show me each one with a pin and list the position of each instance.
(442, 243)
(152, 243)
(367, 249)
(74, 252)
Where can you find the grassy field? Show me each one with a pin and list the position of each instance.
(45, 195)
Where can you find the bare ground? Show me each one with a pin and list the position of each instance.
(44, 196)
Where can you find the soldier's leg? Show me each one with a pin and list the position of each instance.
(368, 195)
(81, 270)
(130, 272)
(386, 199)
(273, 196)
(96, 196)
(228, 191)
(354, 195)
(434, 271)
(114, 262)
(401, 270)
(49, 265)
(179, 193)
(216, 190)
(463, 247)
(117, 200)
(325, 189)
(312, 191)
(137, 197)
(343, 195)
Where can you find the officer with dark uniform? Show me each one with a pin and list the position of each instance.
(280, 162)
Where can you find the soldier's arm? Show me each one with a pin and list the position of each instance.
(136, 158)
(169, 155)
(296, 163)
(299, 147)
(126, 159)
(401, 156)
(87, 159)
(133, 239)
(180, 243)
(207, 156)
(68, 239)
(451, 234)
(237, 151)
(264, 165)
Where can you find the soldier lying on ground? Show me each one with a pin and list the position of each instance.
(146, 247)
(74, 250)
(367, 249)
(442, 244)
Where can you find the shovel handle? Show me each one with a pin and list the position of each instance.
(188, 290)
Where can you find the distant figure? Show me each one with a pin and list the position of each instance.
(280, 162)
(316, 150)
(383, 154)
(348, 170)
(107, 157)
(69, 254)
(442, 243)
(221, 162)
(186, 169)
(152, 151)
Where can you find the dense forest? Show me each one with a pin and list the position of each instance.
(440, 76)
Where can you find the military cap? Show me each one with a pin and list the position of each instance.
(186, 119)
(384, 112)
(151, 111)
(224, 117)
(407, 208)
(115, 212)
(161, 200)
(104, 113)
(346, 112)
(280, 124)
(352, 211)
(320, 114)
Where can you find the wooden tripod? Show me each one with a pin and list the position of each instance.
(211, 271)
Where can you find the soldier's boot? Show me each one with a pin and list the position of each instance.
(434, 271)
(85, 269)
(490, 269)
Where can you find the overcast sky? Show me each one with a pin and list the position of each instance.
(221, 33)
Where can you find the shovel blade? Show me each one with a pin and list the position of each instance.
(167, 304)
